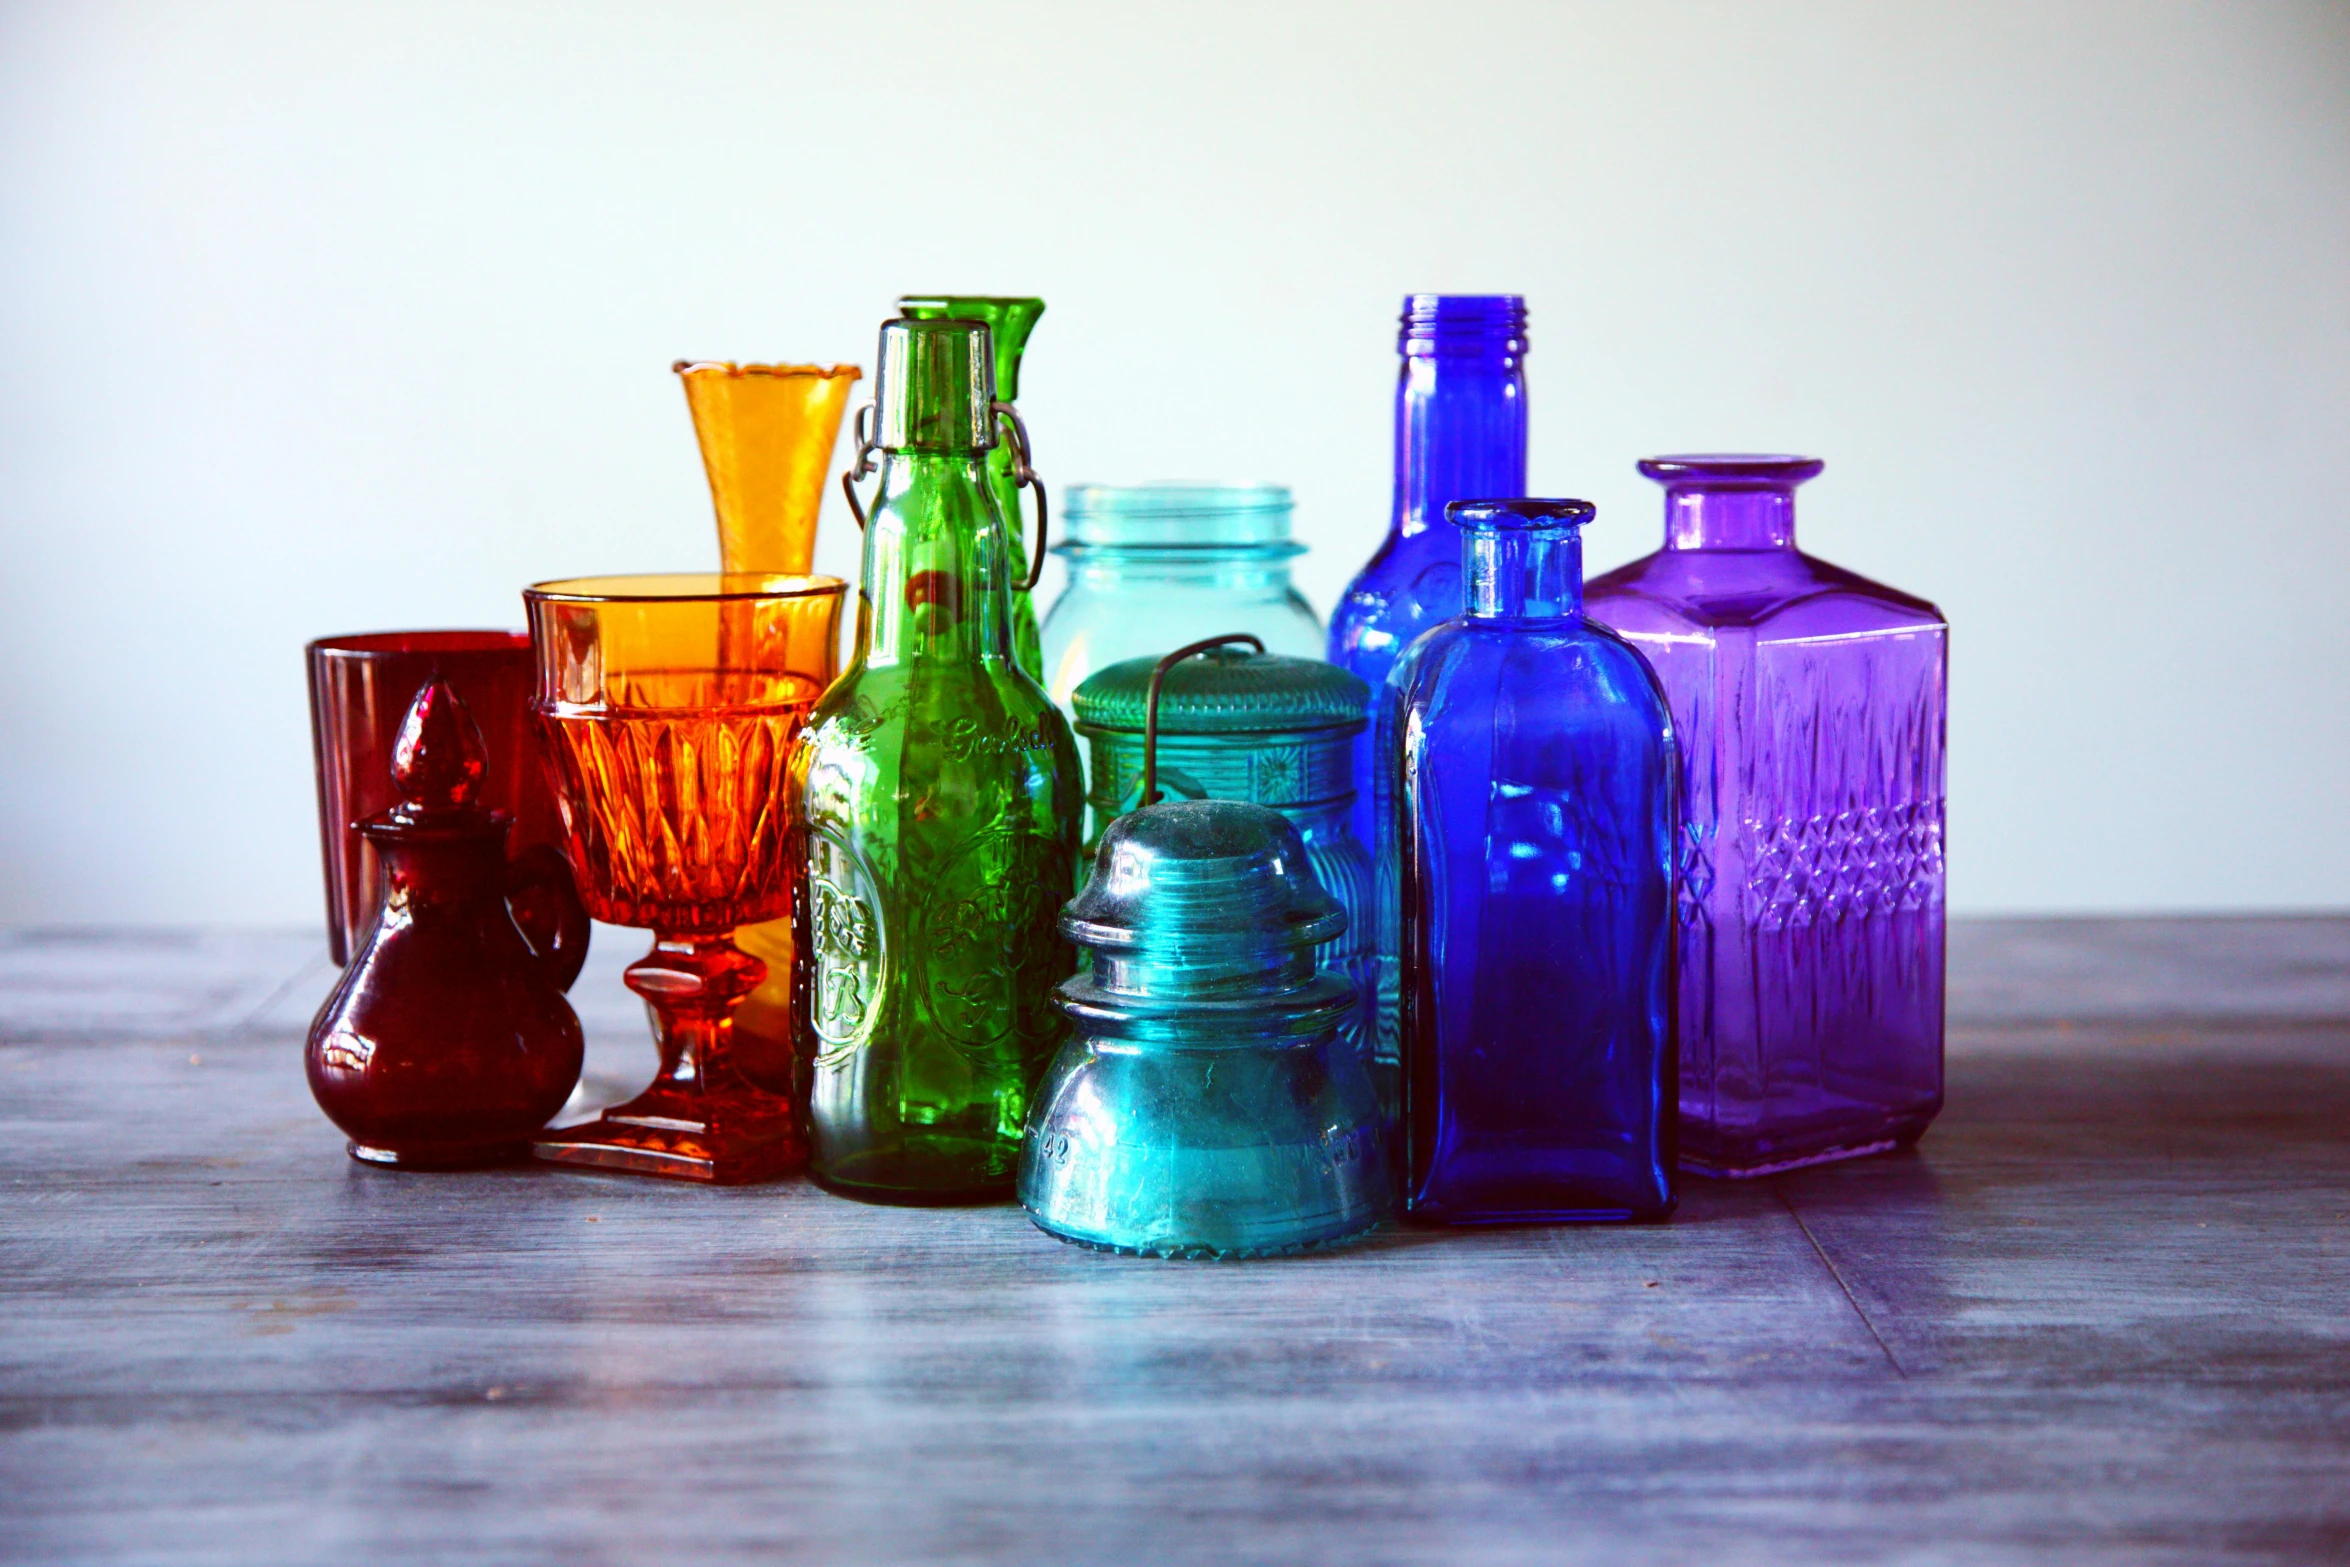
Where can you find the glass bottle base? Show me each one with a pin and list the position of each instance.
(458, 1156)
(725, 1139)
(917, 1196)
(1752, 1164)
(923, 1175)
(1441, 1218)
(1175, 1252)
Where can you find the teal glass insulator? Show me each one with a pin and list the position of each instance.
(1205, 1105)
(1240, 725)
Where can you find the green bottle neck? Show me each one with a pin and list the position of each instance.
(937, 570)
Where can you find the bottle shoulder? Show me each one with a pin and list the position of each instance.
(1778, 593)
(868, 706)
(1392, 601)
(1580, 658)
(1569, 715)
(1400, 556)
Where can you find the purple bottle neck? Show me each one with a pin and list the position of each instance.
(1730, 502)
(1460, 409)
(1521, 559)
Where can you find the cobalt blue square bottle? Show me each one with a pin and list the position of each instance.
(1534, 820)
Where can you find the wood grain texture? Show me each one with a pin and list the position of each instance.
(2099, 1316)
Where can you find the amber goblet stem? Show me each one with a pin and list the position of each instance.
(692, 983)
(699, 1119)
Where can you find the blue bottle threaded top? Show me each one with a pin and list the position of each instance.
(1460, 410)
(1480, 324)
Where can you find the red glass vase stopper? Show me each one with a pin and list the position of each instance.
(438, 759)
(448, 1042)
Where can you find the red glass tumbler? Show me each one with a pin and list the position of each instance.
(360, 691)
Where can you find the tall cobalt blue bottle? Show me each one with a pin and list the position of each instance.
(1534, 828)
(1460, 432)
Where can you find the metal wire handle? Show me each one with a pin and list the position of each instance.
(1025, 476)
(862, 428)
(1150, 708)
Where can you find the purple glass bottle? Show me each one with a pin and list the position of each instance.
(1460, 434)
(1809, 702)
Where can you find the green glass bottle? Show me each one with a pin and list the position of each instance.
(1009, 321)
(939, 798)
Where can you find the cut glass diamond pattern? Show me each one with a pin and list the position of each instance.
(1849, 864)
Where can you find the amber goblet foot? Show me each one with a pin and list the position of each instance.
(701, 1119)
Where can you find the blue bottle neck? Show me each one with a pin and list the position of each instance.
(1522, 574)
(1460, 409)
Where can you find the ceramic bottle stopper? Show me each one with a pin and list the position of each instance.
(448, 1041)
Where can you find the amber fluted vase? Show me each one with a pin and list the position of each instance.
(671, 705)
(767, 434)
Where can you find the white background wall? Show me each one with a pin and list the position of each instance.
(321, 318)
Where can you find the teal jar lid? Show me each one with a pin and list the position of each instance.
(1159, 516)
(1223, 692)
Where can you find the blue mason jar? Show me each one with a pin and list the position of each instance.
(1153, 566)
(1535, 824)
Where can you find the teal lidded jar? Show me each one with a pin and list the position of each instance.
(1262, 727)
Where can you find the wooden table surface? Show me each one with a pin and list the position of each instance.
(2100, 1315)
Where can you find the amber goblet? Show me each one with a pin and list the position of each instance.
(670, 705)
